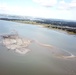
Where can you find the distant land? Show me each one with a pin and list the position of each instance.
(67, 25)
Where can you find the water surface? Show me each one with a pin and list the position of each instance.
(40, 60)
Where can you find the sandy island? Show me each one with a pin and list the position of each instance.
(16, 43)
(54, 51)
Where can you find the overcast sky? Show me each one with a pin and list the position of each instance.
(59, 9)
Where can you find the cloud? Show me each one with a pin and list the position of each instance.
(59, 4)
(8, 9)
(73, 4)
(47, 3)
(3, 6)
(63, 5)
(67, 5)
(24, 11)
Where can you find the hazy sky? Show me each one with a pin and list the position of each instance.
(61, 9)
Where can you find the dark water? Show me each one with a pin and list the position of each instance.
(39, 61)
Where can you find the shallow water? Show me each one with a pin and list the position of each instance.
(40, 60)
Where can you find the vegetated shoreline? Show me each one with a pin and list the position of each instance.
(69, 30)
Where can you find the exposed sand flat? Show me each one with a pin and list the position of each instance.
(45, 45)
(16, 43)
(58, 55)
(68, 57)
(24, 51)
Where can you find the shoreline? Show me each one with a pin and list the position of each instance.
(69, 30)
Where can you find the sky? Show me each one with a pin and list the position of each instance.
(57, 9)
